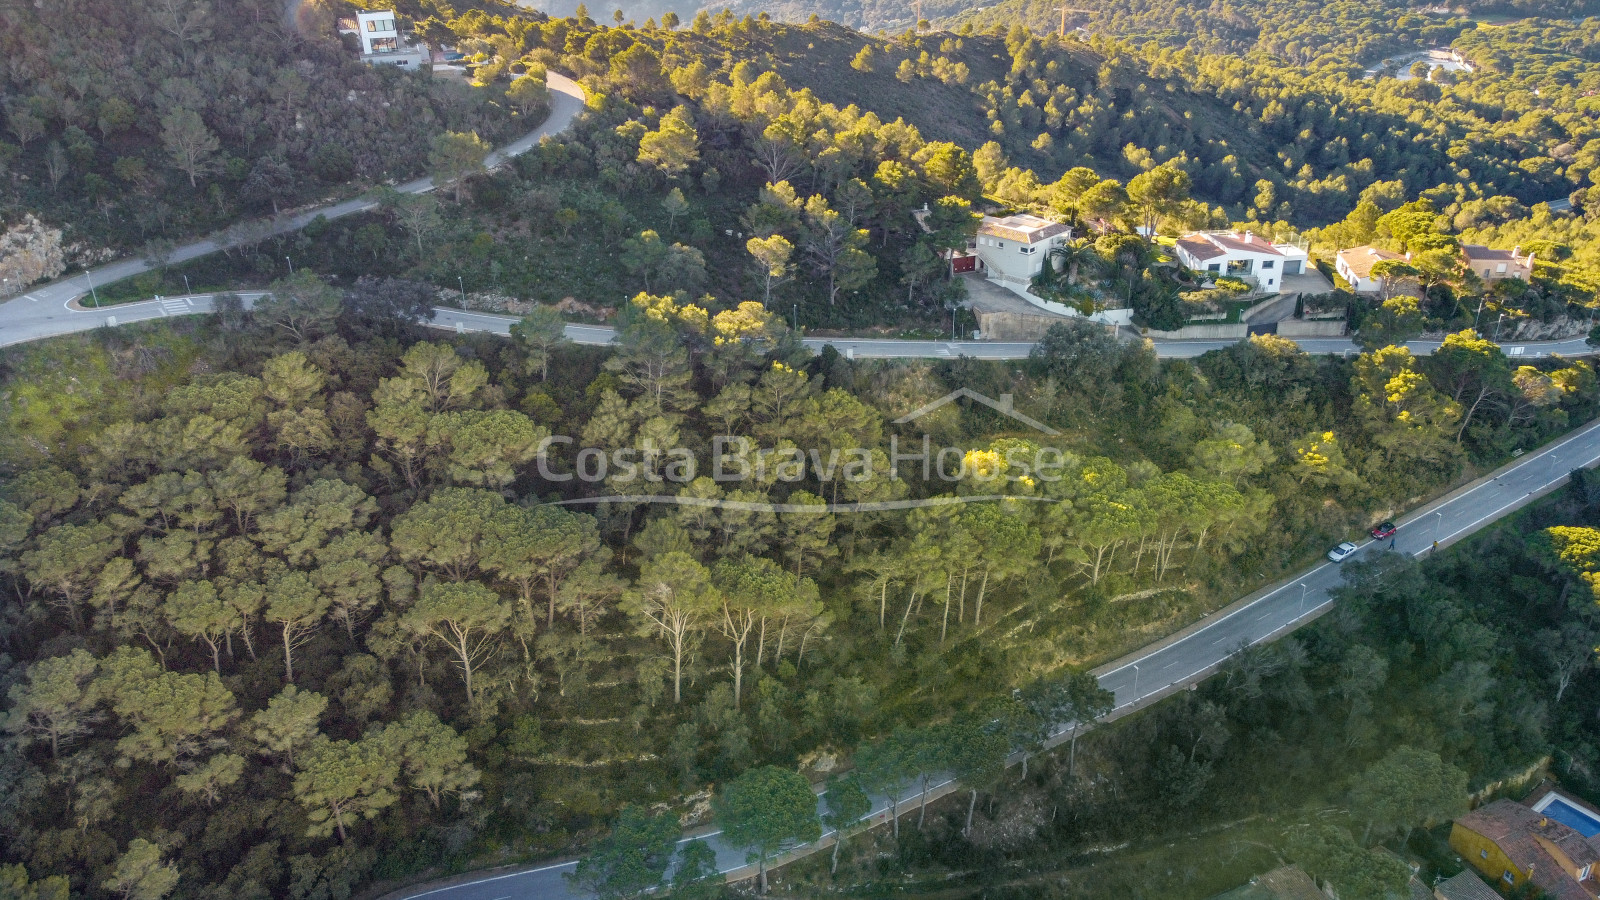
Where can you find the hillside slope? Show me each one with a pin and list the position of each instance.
(131, 122)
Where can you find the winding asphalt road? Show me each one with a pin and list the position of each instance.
(19, 323)
(49, 310)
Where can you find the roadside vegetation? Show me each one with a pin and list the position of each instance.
(1466, 674)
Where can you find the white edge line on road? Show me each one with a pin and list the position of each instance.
(573, 864)
(1223, 618)
(489, 880)
(1556, 482)
(1420, 516)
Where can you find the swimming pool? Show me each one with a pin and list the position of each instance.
(1575, 817)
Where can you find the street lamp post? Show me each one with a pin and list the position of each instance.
(291, 264)
(463, 285)
(186, 288)
(1479, 313)
(1497, 327)
(1302, 600)
(90, 275)
(1135, 682)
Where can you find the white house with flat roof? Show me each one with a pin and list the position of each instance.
(1241, 254)
(1013, 249)
(378, 31)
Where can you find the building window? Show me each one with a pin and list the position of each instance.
(372, 24)
(1266, 264)
(1214, 267)
(1483, 854)
(1509, 877)
(1026, 251)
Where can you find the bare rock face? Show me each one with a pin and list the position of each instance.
(494, 302)
(29, 252)
(1015, 823)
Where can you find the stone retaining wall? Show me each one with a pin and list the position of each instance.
(1202, 333)
(1013, 326)
(1293, 328)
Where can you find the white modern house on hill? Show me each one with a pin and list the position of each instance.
(1008, 251)
(378, 32)
(1241, 254)
(1013, 249)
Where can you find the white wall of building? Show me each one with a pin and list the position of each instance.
(379, 32)
(1011, 261)
(1358, 284)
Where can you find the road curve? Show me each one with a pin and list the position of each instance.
(47, 311)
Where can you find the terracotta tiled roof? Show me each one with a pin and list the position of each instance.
(1486, 254)
(1022, 228)
(1199, 248)
(1360, 260)
(1518, 831)
(1246, 242)
(1464, 885)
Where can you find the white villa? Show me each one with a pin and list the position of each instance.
(378, 31)
(1355, 266)
(1244, 255)
(1013, 249)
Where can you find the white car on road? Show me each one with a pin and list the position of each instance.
(1342, 552)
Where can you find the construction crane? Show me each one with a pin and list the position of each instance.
(1064, 10)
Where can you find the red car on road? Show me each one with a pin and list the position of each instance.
(1383, 530)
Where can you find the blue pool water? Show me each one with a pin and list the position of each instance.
(1580, 820)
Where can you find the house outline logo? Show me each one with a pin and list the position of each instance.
(1004, 406)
